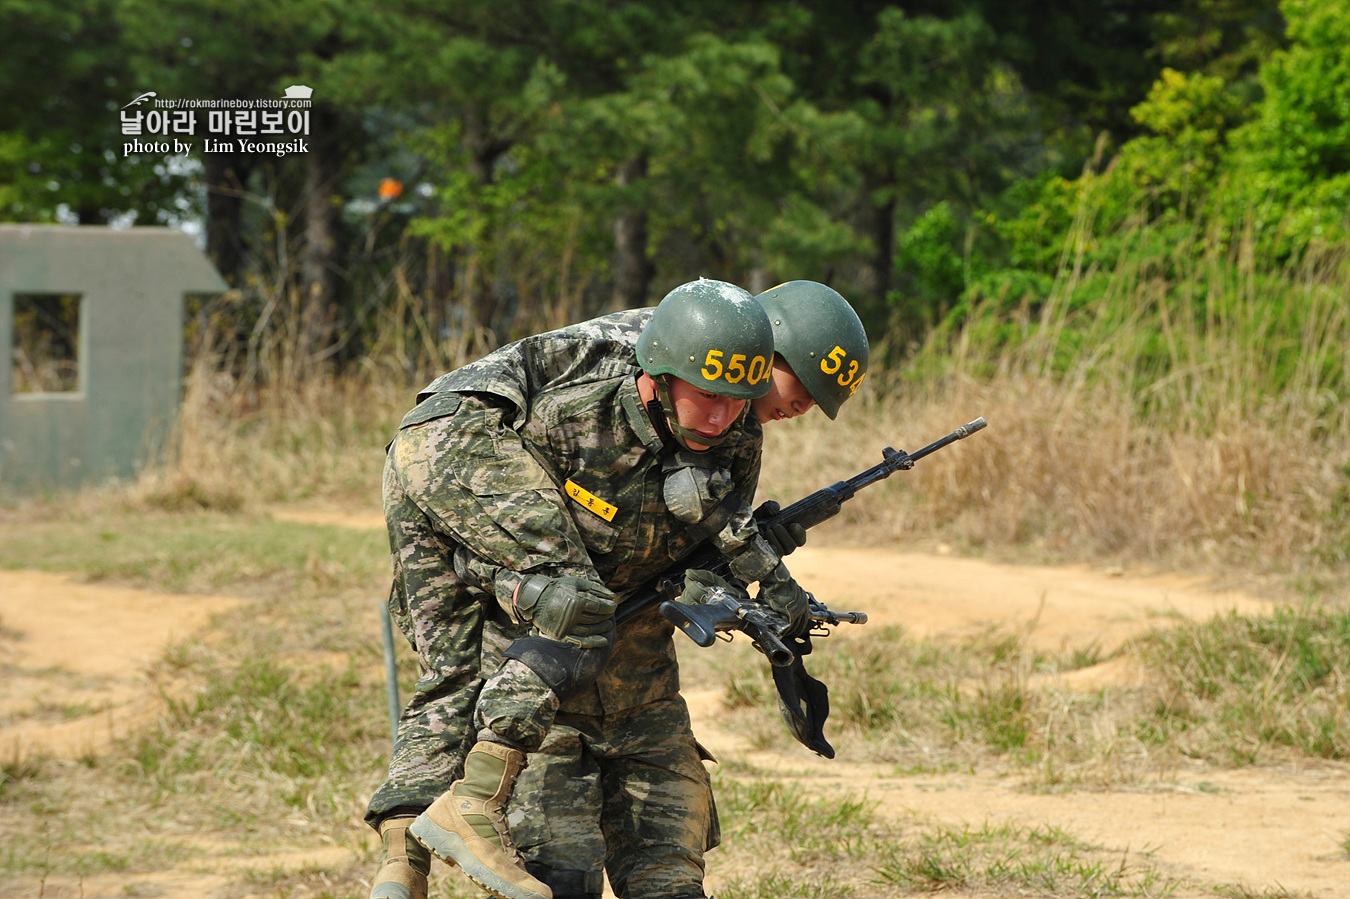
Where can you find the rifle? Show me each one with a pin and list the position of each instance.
(802, 700)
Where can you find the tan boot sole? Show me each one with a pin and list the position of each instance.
(391, 890)
(450, 848)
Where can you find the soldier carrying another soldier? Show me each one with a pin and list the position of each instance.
(523, 495)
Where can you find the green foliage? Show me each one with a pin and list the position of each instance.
(1188, 117)
(1291, 159)
(928, 252)
(64, 77)
(1227, 38)
(1183, 312)
(1216, 178)
(1304, 115)
(945, 168)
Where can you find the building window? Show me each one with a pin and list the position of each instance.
(46, 351)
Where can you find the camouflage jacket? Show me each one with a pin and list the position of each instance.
(581, 463)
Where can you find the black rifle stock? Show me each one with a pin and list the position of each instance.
(803, 701)
(721, 611)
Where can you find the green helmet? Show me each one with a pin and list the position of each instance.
(819, 335)
(713, 335)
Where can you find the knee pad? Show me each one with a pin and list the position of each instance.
(566, 669)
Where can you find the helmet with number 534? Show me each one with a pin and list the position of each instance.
(820, 337)
(714, 336)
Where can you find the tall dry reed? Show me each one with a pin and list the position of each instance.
(1181, 407)
(234, 447)
(1184, 408)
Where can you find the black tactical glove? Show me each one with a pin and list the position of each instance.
(784, 538)
(786, 597)
(698, 583)
(572, 609)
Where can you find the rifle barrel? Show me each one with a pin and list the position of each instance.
(808, 511)
(960, 433)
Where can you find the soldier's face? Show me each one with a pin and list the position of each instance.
(703, 412)
(787, 396)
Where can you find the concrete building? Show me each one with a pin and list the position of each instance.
(114, 410)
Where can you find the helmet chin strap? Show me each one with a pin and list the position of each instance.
(661, 410)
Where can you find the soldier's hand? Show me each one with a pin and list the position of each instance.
(699, 583)
(574, 609)
(784, 538)
(592, 636)
(785, 596)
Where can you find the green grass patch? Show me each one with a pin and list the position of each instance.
(784, 842)
(14, 770)
(1232, 688)
(200, 552)
(1242, 891)
(103, 851)
(1230, 691)
(1009, 859)
(899, 694)
(799, 846)
(768, 811)
(295, 741)
(811, 885)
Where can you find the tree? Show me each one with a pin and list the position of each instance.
(218, 50)
(60, 147)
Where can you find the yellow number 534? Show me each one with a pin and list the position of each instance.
(848, 377)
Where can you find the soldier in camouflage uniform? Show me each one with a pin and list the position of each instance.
(523, 494)
(585, 803)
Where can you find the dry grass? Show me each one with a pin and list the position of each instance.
(1069, 473)
(1180, 410)
(1064, 472)
(245, 448)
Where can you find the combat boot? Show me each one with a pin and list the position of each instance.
(467, 825)
(403, 872)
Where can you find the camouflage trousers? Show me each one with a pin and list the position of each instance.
(625, 793)
(460, 634)
(450, 707)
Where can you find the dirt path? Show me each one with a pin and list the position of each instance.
(1258, 828)
(75, 657)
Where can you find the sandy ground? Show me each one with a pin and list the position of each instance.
(1267, 830)
(1259, 828)
(69, 691)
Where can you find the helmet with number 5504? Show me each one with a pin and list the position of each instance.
(820, 337)
(714, 336)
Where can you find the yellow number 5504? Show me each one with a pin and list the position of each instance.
(736, 369)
